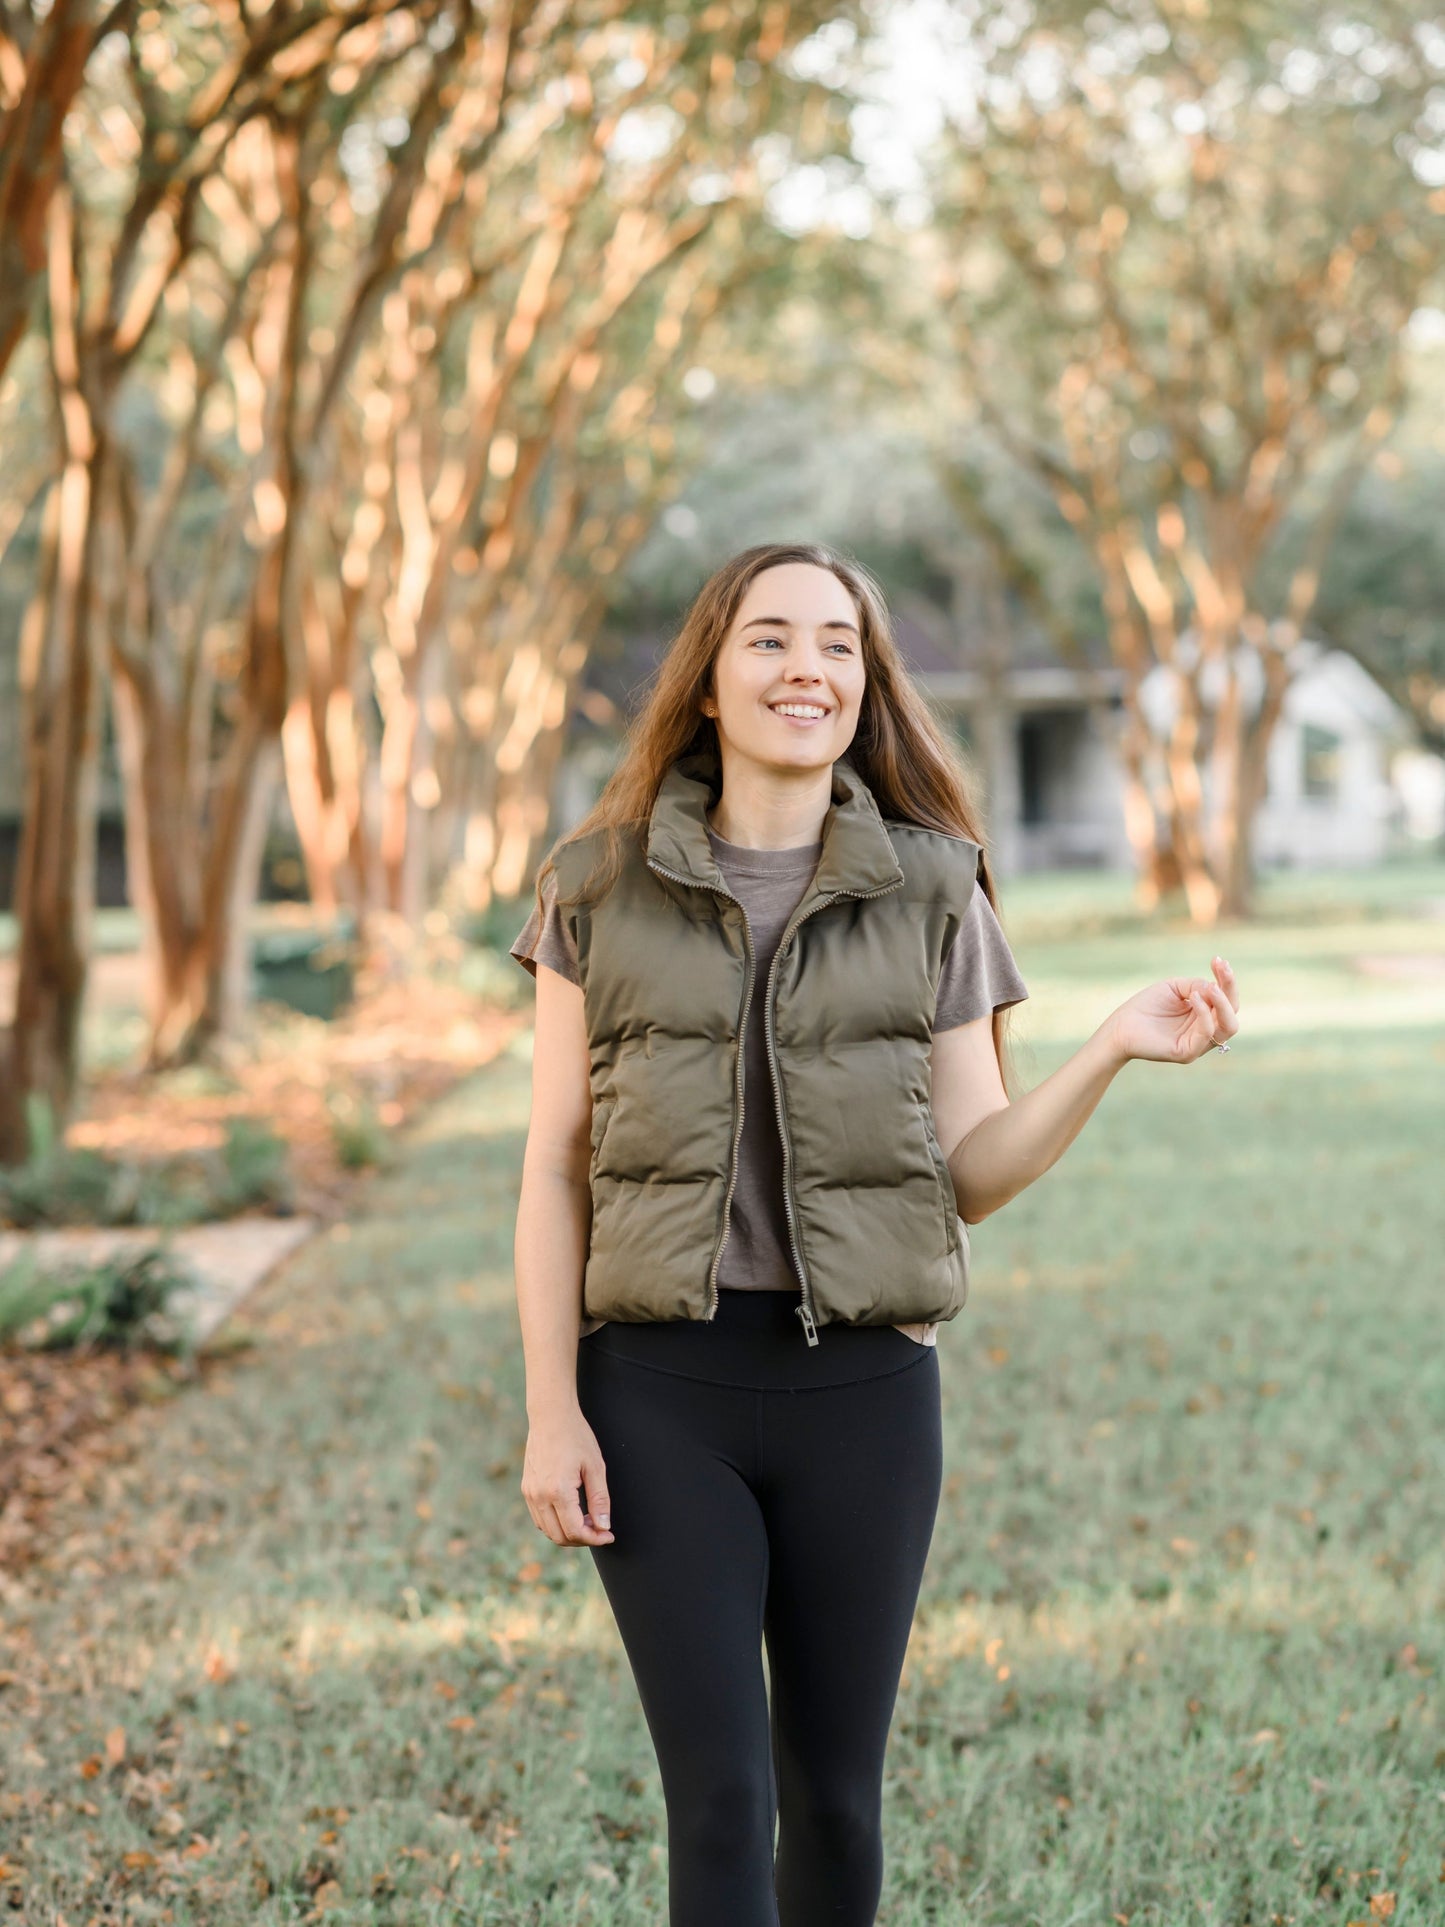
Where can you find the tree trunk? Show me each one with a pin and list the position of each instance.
(31, 156)
(55, 876)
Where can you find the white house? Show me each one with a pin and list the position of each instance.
(1043, 735)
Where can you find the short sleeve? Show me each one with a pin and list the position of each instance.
(546, 939)
(979, 974)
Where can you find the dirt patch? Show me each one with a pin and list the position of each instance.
(397, 1048)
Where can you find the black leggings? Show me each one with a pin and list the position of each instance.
(762, 1488)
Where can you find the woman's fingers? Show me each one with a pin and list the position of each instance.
(578, 1526)
(599, 1506)
(1225, 1005)
(1216, 1009)
(1224, 972)
(1205, 1010)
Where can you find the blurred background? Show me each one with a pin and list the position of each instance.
(379, 382)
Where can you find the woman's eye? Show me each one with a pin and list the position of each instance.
(846, 647)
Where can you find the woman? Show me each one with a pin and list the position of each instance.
(768, 1101)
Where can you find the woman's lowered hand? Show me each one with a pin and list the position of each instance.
(563, 1458)
(1175, 1021)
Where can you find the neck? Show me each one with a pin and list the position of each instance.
(768, 809)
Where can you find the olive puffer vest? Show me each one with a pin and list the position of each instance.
(665, 959)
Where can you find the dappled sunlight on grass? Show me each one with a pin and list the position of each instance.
(1106, 1628)
(316, 1636)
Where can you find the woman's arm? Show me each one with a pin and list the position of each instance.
(995, 1148)
(554, 1222)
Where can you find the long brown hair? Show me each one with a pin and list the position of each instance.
(910, 763)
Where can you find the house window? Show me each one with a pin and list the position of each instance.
(1320, 752)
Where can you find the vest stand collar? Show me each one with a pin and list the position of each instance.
(857, 855)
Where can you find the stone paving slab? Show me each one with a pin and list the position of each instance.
(228, 1259)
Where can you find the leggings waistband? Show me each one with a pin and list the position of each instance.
(756, 1341)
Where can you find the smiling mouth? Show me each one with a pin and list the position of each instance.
(814, 712)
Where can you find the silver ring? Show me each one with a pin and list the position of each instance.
(1223, 1047)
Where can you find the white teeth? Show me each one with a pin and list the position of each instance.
(797, 709)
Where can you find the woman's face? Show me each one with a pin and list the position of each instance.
(794, 641)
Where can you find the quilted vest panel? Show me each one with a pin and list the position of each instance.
(667, 983)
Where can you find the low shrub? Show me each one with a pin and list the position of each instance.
(62, 1184)
(358, 1135)
(117, 1303)
(254, 1162)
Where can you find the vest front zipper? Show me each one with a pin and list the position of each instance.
(806, 1310)
(711, 1311)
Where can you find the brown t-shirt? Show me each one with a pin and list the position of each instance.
(979, 975)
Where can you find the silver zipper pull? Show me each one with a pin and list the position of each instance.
(808, 1326)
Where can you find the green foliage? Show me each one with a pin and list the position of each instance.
(77, 1185)
(357, 1132)
(40, 1124)
(62, 1186)
(254, 1161)
(483, 967)
(1380, 593)
(495, 927)
(118, 1303)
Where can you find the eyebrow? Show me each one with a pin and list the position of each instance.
(782, 622)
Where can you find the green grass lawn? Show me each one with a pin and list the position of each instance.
(1179, 1649)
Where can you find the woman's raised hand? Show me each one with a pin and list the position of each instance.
(1175, 1021)
(562, 1455)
